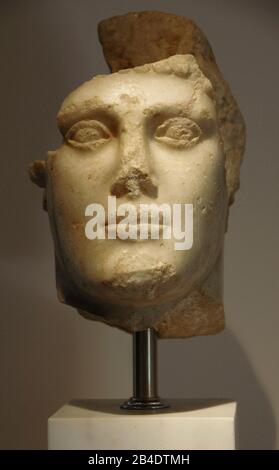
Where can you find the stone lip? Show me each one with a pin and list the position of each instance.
(138, 38)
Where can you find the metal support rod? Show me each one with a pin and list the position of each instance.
(144, 373)
(145, 365)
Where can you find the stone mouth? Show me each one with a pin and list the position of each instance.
(148, 229)
(118, 219)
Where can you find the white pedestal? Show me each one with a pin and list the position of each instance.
(101, 425)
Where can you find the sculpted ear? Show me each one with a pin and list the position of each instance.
(37, 173)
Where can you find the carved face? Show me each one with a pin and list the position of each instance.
(144, 136)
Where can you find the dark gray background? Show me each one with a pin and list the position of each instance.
(49, 354)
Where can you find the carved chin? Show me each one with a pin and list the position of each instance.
(143, 285)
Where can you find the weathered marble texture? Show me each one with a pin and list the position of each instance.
(124, 135)
(143, 37)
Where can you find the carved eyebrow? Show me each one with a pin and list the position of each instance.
(69, 115)
(160, 112)
(187, 109)
(169, 108)
(104, 112)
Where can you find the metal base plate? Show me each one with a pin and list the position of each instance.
(137, 404)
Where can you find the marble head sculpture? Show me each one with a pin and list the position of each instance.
(162, 128)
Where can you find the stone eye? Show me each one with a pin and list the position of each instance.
(88, 134)
(178, 132)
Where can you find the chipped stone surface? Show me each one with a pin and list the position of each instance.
(139, 285)
(201, 312)
(195, 315)
(149, 36)
(147, 133)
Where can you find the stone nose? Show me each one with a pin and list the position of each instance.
(135, 174)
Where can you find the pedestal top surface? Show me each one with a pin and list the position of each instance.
(104, 408)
